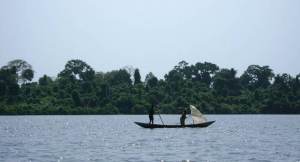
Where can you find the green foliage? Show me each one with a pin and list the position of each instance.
(45, 80)
(9, 76)
(137, 76)
(79, 69)
(257, 76)
(14, 89)
(27, 74)
(110, 109)
(21, 69)
(121, 76)
(3, 88)
(79, 90)
(76, 98)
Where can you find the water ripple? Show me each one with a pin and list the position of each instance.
(116, 138)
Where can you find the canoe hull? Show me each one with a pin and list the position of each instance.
(198, 125)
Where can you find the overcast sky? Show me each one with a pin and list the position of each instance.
(153, 36)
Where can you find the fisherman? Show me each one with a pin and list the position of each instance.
(182, 118)
(151, 112)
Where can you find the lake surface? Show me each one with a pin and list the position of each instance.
(116, 138)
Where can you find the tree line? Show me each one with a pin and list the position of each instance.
(78, 89)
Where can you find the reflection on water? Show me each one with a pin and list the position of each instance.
(117, 138)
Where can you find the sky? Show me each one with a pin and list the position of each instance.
(153, 36)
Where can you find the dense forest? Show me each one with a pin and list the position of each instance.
(79, 89)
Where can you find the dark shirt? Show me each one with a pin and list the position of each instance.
(151, 112)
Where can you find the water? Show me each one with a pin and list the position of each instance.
(117, 138)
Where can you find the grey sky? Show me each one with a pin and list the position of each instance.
(151, 35)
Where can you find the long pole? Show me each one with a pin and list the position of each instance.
(159, 114)
(161, 119)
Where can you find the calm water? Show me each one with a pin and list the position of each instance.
(117, 138)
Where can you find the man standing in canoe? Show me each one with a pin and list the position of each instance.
(182, 118)
(151, 112)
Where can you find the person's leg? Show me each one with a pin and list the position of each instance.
(181, 121)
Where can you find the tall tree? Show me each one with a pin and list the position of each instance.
(9, 76)
(79, 69)
(27, 75)
(130, 70)
(150, 79)
(203, 72)
(21, 67)
(284, 81)
(120, 76)
(152, 82)
(257, 76)
(137, 76)
(184, 69)
(173, 76)
(225, 82)
(45, 80)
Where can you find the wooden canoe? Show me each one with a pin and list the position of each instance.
(198, 125)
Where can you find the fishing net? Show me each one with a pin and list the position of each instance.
(197, 115)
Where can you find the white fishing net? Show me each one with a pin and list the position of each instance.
(197, 115)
